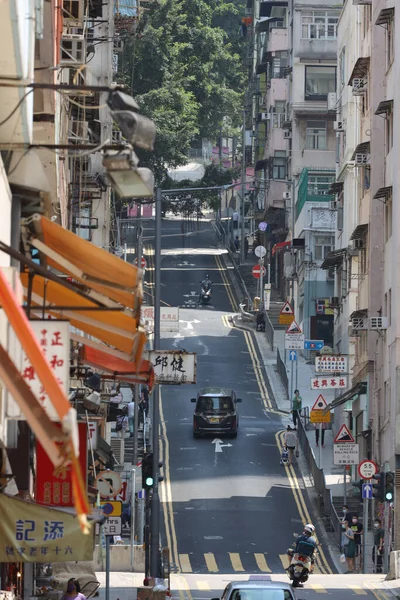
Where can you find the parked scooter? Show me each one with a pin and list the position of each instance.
(206, 290)
(301, 563)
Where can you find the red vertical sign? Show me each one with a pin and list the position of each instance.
(54, 484)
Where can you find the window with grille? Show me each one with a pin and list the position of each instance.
(279, 165)
(319, 82)
(323, 244)
(316, 135)
(319, 25)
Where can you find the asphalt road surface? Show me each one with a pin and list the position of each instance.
(228, 513)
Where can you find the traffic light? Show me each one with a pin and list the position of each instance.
(378, 488)
(357, 485)
(147, 471)
(389, 487)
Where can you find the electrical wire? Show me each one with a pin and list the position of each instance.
(17, 107)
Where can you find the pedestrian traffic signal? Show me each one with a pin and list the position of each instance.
(389, 487)
(378, 488)
(147, 471)
(357, 485)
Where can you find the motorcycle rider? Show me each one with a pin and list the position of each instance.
(308, 537)
(205, 285)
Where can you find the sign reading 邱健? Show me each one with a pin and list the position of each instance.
(328, 382)
(331, 364)
(37, 534)
(54, 484)
(53, 338)
(173, 366)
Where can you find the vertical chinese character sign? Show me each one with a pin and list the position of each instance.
(53, 337)
(54, 484)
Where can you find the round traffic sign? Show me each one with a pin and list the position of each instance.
(257, 271)
(263, 226)
(367, 469)
(260, 251)
(108, 483)
(143, 263)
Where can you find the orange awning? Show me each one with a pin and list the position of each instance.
(123, 370)
(113, 327)
(279, 246)
(94, 267)
(66, 413)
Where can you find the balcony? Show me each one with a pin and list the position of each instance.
(309, 108)
(17, 34)
(314, 186)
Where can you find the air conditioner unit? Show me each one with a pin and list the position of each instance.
(265, 116)
(360, 160)
(72, 12)
(359, 244)
(118, 448)
(377, 323)
(78, 130)
(73, 51)
(338, 126)
(287, 134)
(332, 99)
(334, 302)
(359, 323)
(333, 204)
(359, 86)
(286, 195)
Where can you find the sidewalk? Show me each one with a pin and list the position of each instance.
(334, 476)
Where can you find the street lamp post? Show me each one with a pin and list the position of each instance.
(242, 230)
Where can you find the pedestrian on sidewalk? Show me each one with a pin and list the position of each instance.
(237, 243)
(377, 550)
(246, 246)
(297, 402)
(131, 418)
(348, 546)
(323, 427)
(235, 219)
(291, 442)
(358, 531)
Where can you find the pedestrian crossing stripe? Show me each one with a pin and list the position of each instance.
(287, 309)
(261, 561)
(357, 589)
(318, 588)
(211, 563)
(236, 562)
(293, 328)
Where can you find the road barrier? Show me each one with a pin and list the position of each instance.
(282, 371)
(325, 502)
(269, 330)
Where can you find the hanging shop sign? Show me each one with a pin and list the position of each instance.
(53, 337)
(331, 364)
(54, 484)
(169, 317)
(173, 366)
(32, 533)
(328, 383)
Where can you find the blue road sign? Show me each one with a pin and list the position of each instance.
(367, 491)
(141, 494)
(313, 344)
(293, 355)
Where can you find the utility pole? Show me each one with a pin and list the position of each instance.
(292, 251)
(243, 186)
(139, 252)
(155, 500)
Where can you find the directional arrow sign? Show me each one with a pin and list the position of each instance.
(293, 355)
(366, 491)
(219, 445)
(313, 344)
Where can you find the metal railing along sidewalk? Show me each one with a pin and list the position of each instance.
(282, 371)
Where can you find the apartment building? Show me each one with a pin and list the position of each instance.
(364, 258)
(311, 145)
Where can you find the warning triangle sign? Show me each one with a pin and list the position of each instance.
(320, 403)
(287, 309)
(344, 435)
(293, 328)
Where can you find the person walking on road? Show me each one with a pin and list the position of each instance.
(291, 442)
(358, 531)
(246, 247)
(323, 427)
(348, 546)
(297, 402)
(377, 550)
(237, 243)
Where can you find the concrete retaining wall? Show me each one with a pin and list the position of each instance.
(120, 558)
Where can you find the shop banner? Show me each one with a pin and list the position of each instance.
(54, 484)
(37, 534)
